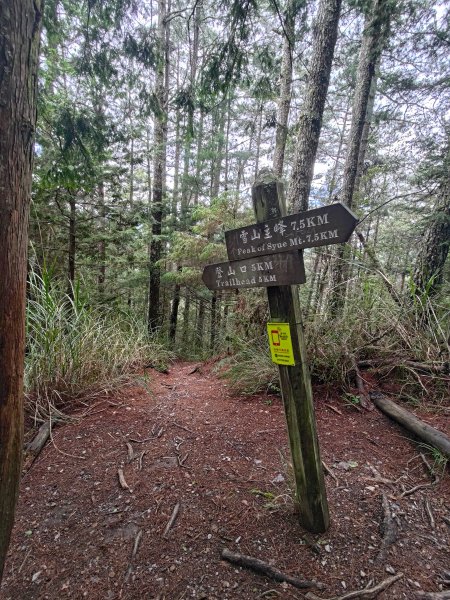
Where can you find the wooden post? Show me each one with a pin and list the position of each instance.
(310, 493)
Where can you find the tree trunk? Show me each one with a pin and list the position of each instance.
(159, 169)
(20, 24)
(212, 332)
(310, 123)
(72, 245)
(374, 37)
(200, 324)
(102, 242)
(284, 101)
(435, 243)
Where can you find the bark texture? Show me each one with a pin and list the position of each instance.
(374, 37)
(284, 101)
(159, 169)
(310, 123)
(435, 244)
(20, 24)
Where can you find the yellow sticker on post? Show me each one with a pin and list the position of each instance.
(280, 343)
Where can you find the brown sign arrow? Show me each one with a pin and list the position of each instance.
(331, 224)
(276, 269)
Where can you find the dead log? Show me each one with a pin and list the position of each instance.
(425, 432)
(263, 568)
(379, 363)
(33, 449)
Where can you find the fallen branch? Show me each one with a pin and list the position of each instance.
(415, 489)
(263, 568)
(172, 520)
(366, 593)
(424, 431)
(435, 368)
(445, 595)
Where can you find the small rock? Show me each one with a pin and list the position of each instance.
(328, 548)
(362, 573)
(278, 479)
(390, 569)
(36, 576)
(344, 585)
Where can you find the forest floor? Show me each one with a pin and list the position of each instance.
(79, 534)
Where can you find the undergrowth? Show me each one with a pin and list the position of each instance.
(74, 350)
(372, 327)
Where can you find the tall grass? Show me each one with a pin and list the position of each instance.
(372, 327)
(74, 350)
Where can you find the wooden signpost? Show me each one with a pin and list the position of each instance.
(273, 269)
(331, 224)
(276, 234)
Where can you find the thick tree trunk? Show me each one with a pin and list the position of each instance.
(159, 169)
(20, 24)
(310, 123)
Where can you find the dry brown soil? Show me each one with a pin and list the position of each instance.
(221, 457)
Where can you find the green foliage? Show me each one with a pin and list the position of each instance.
(74, 350)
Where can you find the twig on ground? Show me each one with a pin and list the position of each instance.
(444, 595)
(123, 483)
(388, 529)
(172, 520)
(141, 458)
(130, 455)
(429, 513)
(137, 541)
(333, 408)
(263, 568)
(415, 489)
(366, 593)
(329, 472)
(429, 467)
(181, 461)
(140, 441)
(182, 427)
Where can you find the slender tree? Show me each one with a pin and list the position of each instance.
(159, 166)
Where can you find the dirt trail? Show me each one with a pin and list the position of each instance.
(78, 534)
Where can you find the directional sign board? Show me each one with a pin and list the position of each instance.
(276, 269)
(332, 224)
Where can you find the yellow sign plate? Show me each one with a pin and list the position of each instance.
(280, 343)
